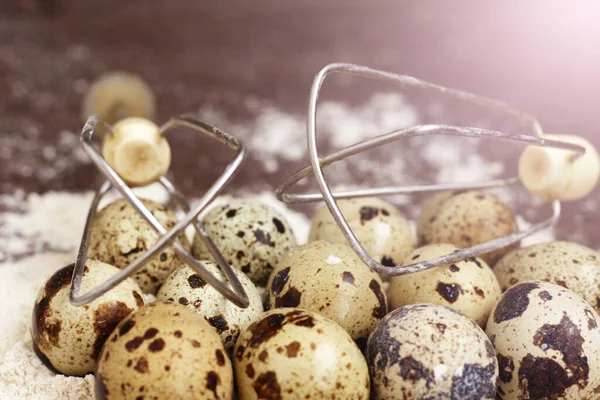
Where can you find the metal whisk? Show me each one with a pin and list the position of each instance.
(317, 163)
(114, 181)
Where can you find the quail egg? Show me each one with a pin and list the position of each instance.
(117, 95)
(468, 286)
(378, 226)
(330, 279)
(120, 235)
(251, 235)
(465, 219)
(296, 354)
(68, 339)
(166, 351)
(570, 265)
(548, 343)
(427, 351)
(186, 287)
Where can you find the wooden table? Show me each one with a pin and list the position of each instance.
(542, 57)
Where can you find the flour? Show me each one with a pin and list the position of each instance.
(20, 147)
(278, 136)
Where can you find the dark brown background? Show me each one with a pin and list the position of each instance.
(540, 56)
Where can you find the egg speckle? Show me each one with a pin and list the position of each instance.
(547, 340)
(430, 351)
(68, 338)
(465, 219)
(251, 235)
(120, 235)
(468, 286)
(185, 286)
(570, 265)
(164, 350)
(345, 290)
(298, 354)
(377, 224)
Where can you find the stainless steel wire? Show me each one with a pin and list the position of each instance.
(236, 293)
(317, 163)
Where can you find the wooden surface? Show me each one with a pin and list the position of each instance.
(542, 57)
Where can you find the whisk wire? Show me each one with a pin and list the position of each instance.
(326, 194)
(236, 293)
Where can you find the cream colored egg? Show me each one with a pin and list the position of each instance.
(468, 286)
(378, 226)
(120, 235)
(296, 354)
(68, 339)
(164, 351)
(426, 351)
(548, 343)
(466, 219)
(117, 95)
(186, 287)
(432, 205)
(251, 235)
(570, 265)
(330, 279)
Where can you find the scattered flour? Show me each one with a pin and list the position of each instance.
(277, 136)
(20, 147)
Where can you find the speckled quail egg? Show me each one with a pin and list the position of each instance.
(166, 351)
(427, 351)
(120, 235)
(570, 265)
(465, 219)
(251, 235)
(186, 287)
(330, 279)
(377, 224)
(548, 343)
(117, 95)
(468, 286)
(68, 339)
(296, 354)
(431, 206)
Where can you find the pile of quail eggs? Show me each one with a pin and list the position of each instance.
(518, 323)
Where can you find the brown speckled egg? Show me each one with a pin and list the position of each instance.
(164, 351)
(465, 219)
(431, 206)
(426, 351)
(570, 265)
(468, 286)
(120, 235)
(330, 279)
(251, 235)
(296, 354)
(68, 338)
(548, 343)
(378, 226)
(186, 287)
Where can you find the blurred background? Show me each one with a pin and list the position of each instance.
(238, 58)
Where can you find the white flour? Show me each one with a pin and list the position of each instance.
(49, 226)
